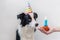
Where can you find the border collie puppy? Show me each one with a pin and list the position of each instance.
(26, 19)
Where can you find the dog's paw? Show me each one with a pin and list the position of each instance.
(34, 29)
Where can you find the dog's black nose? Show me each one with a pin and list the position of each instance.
(36, 24)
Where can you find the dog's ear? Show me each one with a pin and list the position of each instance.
(20, 16)
(35, 15)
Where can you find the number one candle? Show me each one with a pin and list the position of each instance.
(45, 22)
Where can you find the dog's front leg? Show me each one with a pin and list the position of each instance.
(17, 35)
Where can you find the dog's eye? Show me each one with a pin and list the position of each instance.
(29, 20)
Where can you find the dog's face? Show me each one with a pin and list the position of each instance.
(26, 19)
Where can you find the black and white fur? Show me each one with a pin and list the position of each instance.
(26, 20)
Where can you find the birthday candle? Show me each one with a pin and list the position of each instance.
(45, 22)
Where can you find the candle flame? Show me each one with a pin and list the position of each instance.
(45, 18)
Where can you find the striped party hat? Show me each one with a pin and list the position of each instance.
(28, 9)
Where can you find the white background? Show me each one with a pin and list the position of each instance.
(10, 8)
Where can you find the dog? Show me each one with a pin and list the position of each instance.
(26, 19)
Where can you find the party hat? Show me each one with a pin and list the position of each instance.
(28, 9)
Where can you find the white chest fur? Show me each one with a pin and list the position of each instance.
(27, 33)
